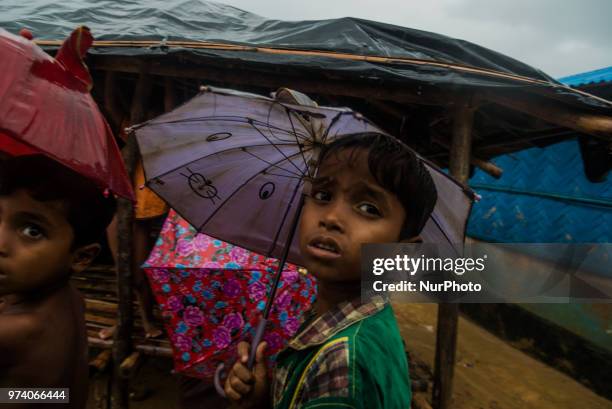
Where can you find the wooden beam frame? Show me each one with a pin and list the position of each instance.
(596, 125)
(111, 102)
(326, 86)
(122, 343)
(448, 314)
(535, 106)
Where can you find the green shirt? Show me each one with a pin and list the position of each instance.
(350, 357)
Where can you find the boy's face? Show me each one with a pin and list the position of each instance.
(345, 209)
(36, 244)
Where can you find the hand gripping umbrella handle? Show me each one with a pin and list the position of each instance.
(262, 324)
(217, 380)
(261, 327)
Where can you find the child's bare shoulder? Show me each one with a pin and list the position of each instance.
(22, 323)
(18, 322)
(18, 330)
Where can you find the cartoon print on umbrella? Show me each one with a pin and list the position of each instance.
(201, 186)
(275, 140)
(266, 190)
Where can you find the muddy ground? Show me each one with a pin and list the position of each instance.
(490, 373)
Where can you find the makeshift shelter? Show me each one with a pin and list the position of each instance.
(456, 103)
(569, 202)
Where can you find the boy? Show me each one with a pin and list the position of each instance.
(349, 354)
(50, 221)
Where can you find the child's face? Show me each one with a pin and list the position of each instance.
(345, 209)
(35, 244)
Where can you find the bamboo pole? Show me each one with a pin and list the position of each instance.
(130, 365)
(100, 306)
(96, 319)
(100, 362)
(125, 217)
(488, 167)
(448, 313)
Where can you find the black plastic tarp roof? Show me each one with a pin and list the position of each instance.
(202, 21)
(194, 20)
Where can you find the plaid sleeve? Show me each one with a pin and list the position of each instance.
(326, 376)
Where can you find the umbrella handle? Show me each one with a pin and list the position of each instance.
(217, 380)
(261, 327)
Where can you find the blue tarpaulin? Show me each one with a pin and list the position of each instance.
(602, 75)
(544, 195)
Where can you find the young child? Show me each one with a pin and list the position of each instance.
(50, 221)
(349, 354)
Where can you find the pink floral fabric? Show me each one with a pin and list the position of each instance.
(212, 295)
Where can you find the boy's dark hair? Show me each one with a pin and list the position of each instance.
(398, 170)
(87, 209)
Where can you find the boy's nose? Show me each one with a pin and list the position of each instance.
(331, 220)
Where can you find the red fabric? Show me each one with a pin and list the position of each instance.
(45, 106)
(212, 296)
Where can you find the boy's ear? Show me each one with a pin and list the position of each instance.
(415, 239)
(83, 256)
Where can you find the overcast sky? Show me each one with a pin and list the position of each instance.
(560, 37)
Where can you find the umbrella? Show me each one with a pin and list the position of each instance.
(46, 108)
(234, 164)
(212, 295)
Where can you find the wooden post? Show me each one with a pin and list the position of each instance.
(448, 314)
(488, 167)
(122, 344)
(111, 104)
(169, 94)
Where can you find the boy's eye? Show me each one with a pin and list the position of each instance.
(370, 209)
(32, 231)
(321, 195)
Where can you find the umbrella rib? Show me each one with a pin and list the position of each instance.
(306, 137)
(299, 146)
(276, 147)
(294, 133)
(282, 176)
(265, 171)
(217, 153)
(282, 223)
(275, 165)
(441, 229)
(331, 124)
(232, 119)
(246, 182)
(291, 121)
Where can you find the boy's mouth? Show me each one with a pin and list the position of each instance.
(324, 247)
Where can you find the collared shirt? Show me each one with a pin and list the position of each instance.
(350, 357)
